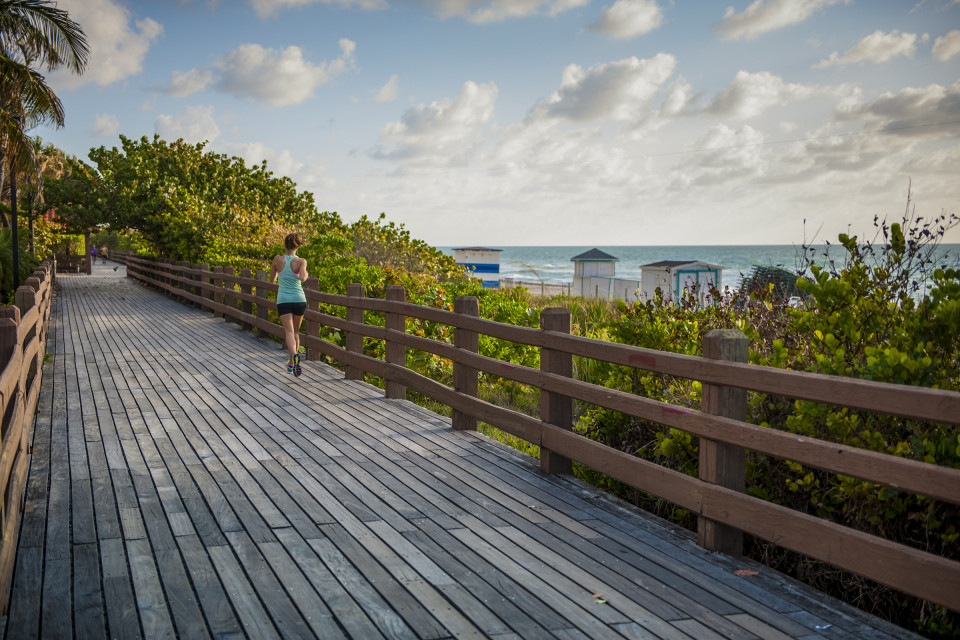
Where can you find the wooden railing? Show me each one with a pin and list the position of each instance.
(76, 263)
(717, 497)
(23, 339)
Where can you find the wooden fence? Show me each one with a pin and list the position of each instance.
(23, 338)
(75, 263)
(717, 497)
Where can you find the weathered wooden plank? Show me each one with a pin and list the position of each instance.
(581, 617)
(318, 616)
(57, 597)
(381, 611)
(89, 616)
(122, 611)
(288, 620)
(218, 613)
(400, 599)
(245, 601)
(439, 591)
(23, 618)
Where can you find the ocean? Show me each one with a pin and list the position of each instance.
(552, 265)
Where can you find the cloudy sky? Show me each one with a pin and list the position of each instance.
(554, 122)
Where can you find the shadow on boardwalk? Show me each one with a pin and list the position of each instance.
(183, 485)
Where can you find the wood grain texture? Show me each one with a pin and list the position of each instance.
(222, 498)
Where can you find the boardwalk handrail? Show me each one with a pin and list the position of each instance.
(23, 338)
(716, 501)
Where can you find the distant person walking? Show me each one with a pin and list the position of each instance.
(104, 253)
(93, 255)
(291, 272)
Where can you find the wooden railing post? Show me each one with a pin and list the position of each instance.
(396, 353)
(354, 341)
(723, 464)
(26, 299)
(556, 409)
(194, 289)
(465, 379)
(228, 298)
(181, 280)
(245, 305)
(262, 309)
(205, 279)
(9, 328)
(217, 281)
(313, 327)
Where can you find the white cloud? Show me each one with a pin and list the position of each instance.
(943, 161)
(763, 16)
(679, 100)
(106, 124)
(186, 84)
(877, 47)
(279, 78)
(628, 18)
(826, 154)
(908, 110)
(722, 154)
(117, 47)
(443, 130)
(947, 46)
(193, 124)
(753, 93)
(618, 91)
(487, 11)
(388, 92)
(266, 8)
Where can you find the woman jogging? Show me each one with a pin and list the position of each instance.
(291, 271)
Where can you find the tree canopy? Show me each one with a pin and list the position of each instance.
(183, 198)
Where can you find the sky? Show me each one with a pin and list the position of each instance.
(549, 122)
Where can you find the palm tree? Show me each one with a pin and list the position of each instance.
(51, 164)
(32, 32)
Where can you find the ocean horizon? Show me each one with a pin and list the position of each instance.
(552, 265)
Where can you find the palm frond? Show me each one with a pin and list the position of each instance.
(38, 30)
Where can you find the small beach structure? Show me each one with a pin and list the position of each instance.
(594, 274)
(483, 261)
(672, 277)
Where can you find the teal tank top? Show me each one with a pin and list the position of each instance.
(291, 289)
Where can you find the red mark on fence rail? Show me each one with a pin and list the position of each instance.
(650, 361)
(677, 411)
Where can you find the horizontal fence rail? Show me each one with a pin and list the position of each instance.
(23, 339)
(717, 497)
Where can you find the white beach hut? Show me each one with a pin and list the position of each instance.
(673, 277)
(594, 276)
(483, 261)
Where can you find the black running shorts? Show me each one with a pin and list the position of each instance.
(296, 308)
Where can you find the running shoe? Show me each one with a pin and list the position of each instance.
(296, 365)
(289, 368)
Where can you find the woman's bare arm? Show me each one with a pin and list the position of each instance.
(274, 270)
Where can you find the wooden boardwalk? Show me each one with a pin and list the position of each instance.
(183, 485)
